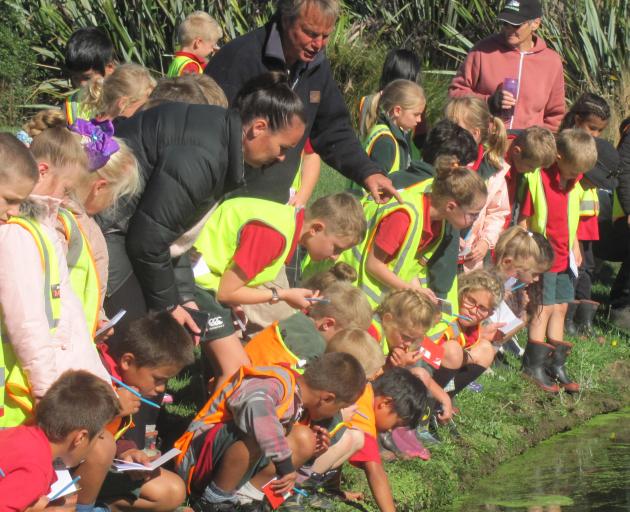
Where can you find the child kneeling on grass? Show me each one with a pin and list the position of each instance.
(255, 427)
(468, 350)
(69, 418)
(152, 350)
(245, 244)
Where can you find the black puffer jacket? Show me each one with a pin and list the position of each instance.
(189, 156)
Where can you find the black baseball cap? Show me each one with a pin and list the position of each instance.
(517, 12)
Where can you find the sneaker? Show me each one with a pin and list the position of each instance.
(475, 387)
(513, 347)
(426, 437)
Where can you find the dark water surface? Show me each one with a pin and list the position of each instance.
(586, 469)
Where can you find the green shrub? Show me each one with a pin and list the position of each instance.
(18, 72)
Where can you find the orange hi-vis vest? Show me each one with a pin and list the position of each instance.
(366, 421)
(268, 348)
(216, 411)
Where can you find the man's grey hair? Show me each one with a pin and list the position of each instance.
(290, 9)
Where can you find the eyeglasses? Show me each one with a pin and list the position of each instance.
(477, 309)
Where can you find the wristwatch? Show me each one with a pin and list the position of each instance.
(275, 298)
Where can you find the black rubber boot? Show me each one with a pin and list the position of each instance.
(556, 368)
(569, 320)
(584, 315)
(536, 355)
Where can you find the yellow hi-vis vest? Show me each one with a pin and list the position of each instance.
(16, 401)
(406, 265)
(378, 131)
(179, 63)
(74, 110)
(538, 221)
(589, 202)
(82, 269)
(219, 238)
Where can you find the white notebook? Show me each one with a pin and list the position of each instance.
(121, 465)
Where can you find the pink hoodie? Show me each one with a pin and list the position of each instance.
(540, 99)
(44, 357)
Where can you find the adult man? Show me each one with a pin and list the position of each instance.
(293, 42)
(516, 52)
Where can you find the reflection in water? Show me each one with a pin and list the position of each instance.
(586, 469)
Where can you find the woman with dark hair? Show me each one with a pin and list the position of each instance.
(190, 156)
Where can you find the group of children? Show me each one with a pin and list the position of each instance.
(400, 306)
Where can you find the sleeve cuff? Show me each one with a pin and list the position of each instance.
(284, 467)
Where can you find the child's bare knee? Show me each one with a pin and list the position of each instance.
(485, 353)
(302, 440)
(168, 491)
(453, 354)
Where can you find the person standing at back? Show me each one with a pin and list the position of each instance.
(293, 41)
(516, 53)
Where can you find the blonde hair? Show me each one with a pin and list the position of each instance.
(538, 146)
(210, 89)
(348, 306)
(55, 143)
(578, 149)
(399, 93)
(521, 246)
(457, 183)
(340, 272)
(481, 279)
(128, 82)
(410, 309)
(471, 112)
(198, 25)
(343, 215)
(358, 343)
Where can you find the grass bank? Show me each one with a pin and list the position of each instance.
(508, 416)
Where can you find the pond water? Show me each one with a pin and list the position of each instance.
(586, 469)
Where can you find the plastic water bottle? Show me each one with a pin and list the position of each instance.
(510, 85)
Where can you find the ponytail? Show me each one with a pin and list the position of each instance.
(473, 113)
(269, 96)
(457, 183)
(399, 93)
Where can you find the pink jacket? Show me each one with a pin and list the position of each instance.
(44, 357)
(491, 221)
(540, 98)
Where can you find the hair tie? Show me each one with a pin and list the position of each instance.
(97, 139)
(24, 138)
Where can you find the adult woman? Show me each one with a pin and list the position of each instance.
(190, 156)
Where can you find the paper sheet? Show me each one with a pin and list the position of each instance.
(503, 314)
(121, 466)
(200, 268)
(63, 478)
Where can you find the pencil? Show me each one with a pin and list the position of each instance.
(323, 300)
(337, 427)
(300, 491)
(128, 388)
(464, 317)
(518, 286)
(65, 488)
(364, 416)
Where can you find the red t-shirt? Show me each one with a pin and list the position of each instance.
(191, 68)
(557, 219)
(27, 464)
(392, 230)
(260, 245)
(308, 147)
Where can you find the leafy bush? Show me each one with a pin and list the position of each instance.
(17, 72)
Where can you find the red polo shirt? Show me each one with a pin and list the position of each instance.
(557, 215)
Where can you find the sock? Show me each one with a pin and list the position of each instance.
(444, 375)
(466, 375)
(214, 494)
(249, 493)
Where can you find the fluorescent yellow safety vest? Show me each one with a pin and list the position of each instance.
(538, 221)
(82, 269)
(179, 63)
(617, 209)
(378, 131)
(219, 238)
(446, 325)
(74, 109)
(589, 202)
(406, 265)
(16, 401)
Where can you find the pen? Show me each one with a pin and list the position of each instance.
(64, 489)
(364, 416)
(323, 300)
(300, 491)
(463, 317)
(142, 399)
(337, 428)
(518, 286)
